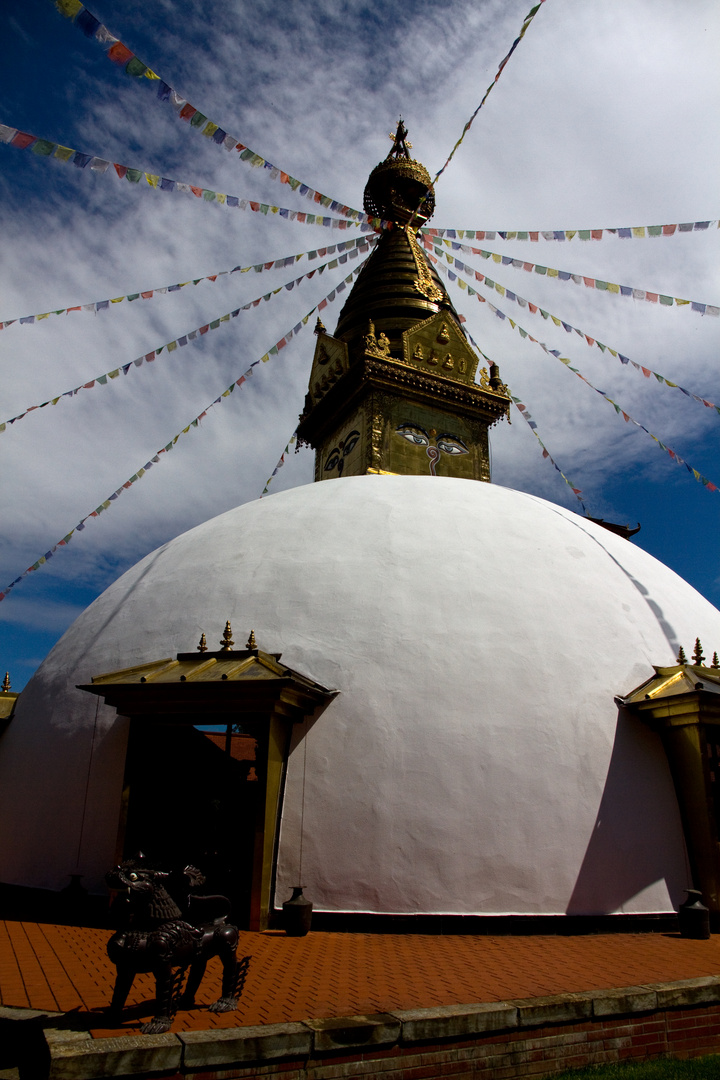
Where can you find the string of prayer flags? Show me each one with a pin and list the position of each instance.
(171, 346)
(534, 309)
(123, 57)
(281, 462)
(526, 22)
(578, 279)
(23, 140)
(352, 247)
(564, 360)
(634, 232)
(577, 492)
(156, 458)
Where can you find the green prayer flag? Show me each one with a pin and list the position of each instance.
(43, 148)
(197, 120)
(135, 67)
(133, 175)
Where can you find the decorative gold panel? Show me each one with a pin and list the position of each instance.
(438, 346)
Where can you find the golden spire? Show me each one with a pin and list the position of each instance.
(251, 642)
(6, 683)
(715, 661)
(681, 657)
(202, 644)
(227, 642)
(698, 658)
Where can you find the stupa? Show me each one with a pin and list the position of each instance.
(437, 686)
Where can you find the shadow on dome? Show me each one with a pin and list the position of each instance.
(615, 868)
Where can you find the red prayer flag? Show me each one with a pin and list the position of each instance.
(147, 295)
(596, 234)
(590, 282)
(533, 307)
(204, 329)
(21, 140)
(120, 54)
(668, 230)
(534, 236)
(197, 191)
(528, 266)
(187, 111)
(652, 297)
(121, 170)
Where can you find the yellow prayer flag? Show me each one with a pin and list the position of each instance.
(558, 322)
(117, 300)
(570, 233)
(224, 318)
(678, 301)
(150, 74)
(220, 198)
(63, 153)
(500, 289)
(551, 272)
(265, 358)
(209, 129)
(612, 287)
(497, 258)
(42, 316)
(68, 8)
(225, 393)
(153, 181)
(639, 232)
(171, 346)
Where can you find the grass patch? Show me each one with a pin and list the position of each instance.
(703, 1068)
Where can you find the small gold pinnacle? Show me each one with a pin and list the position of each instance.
(681, 657)
(698, 658)
(202, 644)
(227, 642)
(319, 326)
(6, 683)
(715, 661)
(251, 642)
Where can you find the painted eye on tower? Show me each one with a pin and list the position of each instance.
(413, 434)
(450, 444)
(350, 443)
(333, 459)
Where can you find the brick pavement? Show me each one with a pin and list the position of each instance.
(62, 968)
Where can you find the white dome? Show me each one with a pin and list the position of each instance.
(474, 761)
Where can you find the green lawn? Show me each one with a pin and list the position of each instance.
(704, 1068)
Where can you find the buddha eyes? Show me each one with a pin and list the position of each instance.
(413, 435)
(345, 447)
(450, 444)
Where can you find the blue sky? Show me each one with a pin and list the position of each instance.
(606, 116)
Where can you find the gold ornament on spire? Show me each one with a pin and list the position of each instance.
(251, 642)
(715, 661)
(202, 644)
(227, 642)
(6, 683)
(698, 658)
(681, 657)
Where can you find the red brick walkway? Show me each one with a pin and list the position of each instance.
(61, 968)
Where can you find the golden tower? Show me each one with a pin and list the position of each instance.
(394, 389)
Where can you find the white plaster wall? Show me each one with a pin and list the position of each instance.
(474, 762)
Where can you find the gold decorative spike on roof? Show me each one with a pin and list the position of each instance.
(227, 641)
(212, 686)
(202, 644)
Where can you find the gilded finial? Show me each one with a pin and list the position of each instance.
(399, 140)
(681, 657)
(251, 642)
(227, 642)
(6, 683)
(319, 326)
(715, 661)
(698, 658)
(202, 644)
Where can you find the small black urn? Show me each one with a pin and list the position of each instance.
(297, 913)
(693, 916)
